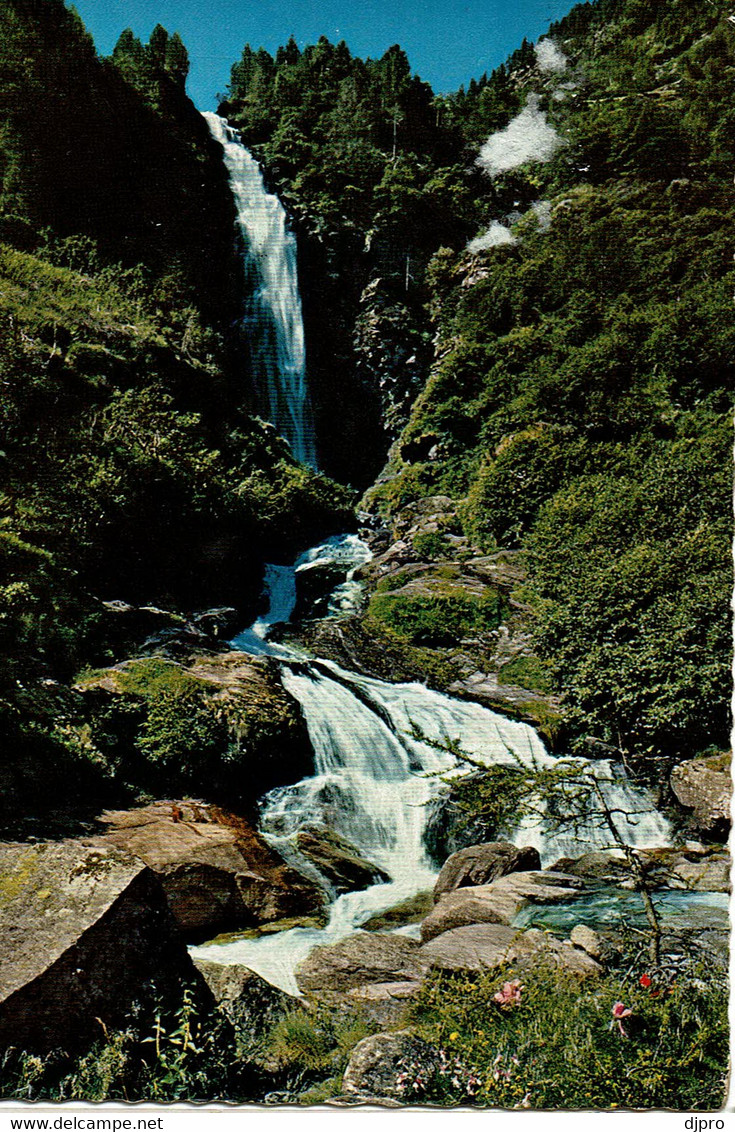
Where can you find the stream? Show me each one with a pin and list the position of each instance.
(376, 774)
(379, 765)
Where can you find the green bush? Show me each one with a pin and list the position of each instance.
(438, 619)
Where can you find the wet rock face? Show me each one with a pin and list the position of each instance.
(481, 864)
(83, 931)
(338, 860)
(705, 787)
(218, 874)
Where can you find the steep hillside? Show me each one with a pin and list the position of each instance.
(578, 405)
(130, 471)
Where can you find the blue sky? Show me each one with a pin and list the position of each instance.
(447, 41)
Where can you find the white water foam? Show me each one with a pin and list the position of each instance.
(272, 319)
(375, 774)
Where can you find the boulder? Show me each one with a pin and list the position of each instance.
(705, 787)
(251, 1003)
(217, 872)
(499, 902)
(384, 1003)
(245, 693)
(338, 860)
(481, 947)
(696, 868)
(481, 864)
(365, 957)
(703, 871)
(594, 944)
(381, 1065)
(315, 581)
(606, 865)
(84, 930)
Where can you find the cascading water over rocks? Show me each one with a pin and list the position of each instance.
(374, 778)
(272, 319)
(378, 755)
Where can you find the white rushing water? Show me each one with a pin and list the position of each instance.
(375, 777)
(272, 319)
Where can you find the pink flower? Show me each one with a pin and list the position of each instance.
(509, 995)
(620, 1011)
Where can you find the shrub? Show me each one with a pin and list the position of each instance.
(440, 618)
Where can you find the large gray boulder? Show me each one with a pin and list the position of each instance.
(338, 860)
(83, 931)
(481, 864)
(705, 787)
(218, 874)
(482, 947)
(365, 957)
(251, 1003)
(499, 902)
(380, 1066)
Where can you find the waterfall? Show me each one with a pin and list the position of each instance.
(376, 773)
(272, 319)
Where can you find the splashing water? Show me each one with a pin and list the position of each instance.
(272, 319)
(375, 775)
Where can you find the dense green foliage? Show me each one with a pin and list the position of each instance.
(558, 1047)
(192, 1052)
(129, 466)
(579, 406)
(374, 182)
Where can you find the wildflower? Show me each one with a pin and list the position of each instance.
(620, 1011)
(509, 995)
(645, 981)
(453, 1036)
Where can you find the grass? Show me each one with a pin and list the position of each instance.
(560, 1049)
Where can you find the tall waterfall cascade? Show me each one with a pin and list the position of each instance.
(377, 776)
(272, 319)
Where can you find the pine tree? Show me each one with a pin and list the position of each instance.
(157, 46)
(177, 60)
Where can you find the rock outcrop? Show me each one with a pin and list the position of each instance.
(84, 930)
(266, 731)
(361, 959)
(498, 902)
(704, 786)
(338, 860)
(252, 1004)
(218, 874)
(481, 864)
(482, 947)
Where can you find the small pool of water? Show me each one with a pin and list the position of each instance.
(607, 907)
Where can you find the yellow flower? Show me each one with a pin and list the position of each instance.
(453, 1036)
